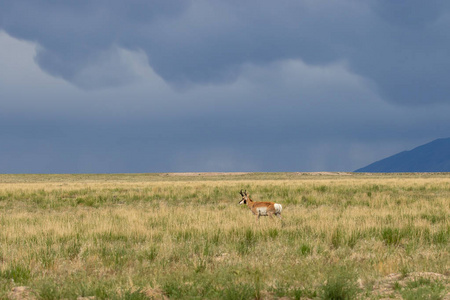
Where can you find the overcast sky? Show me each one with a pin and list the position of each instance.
(109, 86)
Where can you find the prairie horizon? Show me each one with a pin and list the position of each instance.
(159, 236)
(93, 94)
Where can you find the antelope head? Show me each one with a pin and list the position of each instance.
(244, 197)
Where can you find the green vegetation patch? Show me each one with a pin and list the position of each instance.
(144, 236)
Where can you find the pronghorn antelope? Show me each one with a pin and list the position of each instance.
(261, 208)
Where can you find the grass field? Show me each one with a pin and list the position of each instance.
(159, 236)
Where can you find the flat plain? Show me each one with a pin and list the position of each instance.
(184, 236)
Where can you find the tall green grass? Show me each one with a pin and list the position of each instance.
(138, 236)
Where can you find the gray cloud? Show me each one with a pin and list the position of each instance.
(79, 41)
(403, 47)
(282, 116)
(218, 85)
(410, 14)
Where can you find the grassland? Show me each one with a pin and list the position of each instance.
(159, 236)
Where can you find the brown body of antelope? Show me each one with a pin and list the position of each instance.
(261, 208)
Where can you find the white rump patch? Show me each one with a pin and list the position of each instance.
(278, 208)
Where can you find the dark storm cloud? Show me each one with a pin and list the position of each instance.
(402, 46)
(219, 85)
(411, 14)
(284, 115)
(79, 40)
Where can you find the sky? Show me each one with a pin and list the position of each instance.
(109, 86)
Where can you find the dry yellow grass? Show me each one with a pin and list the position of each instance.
(113, 236)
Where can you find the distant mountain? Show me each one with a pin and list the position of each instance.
(431, 157)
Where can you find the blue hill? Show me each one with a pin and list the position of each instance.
(431, 157)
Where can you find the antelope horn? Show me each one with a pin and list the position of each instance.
(241, 193)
